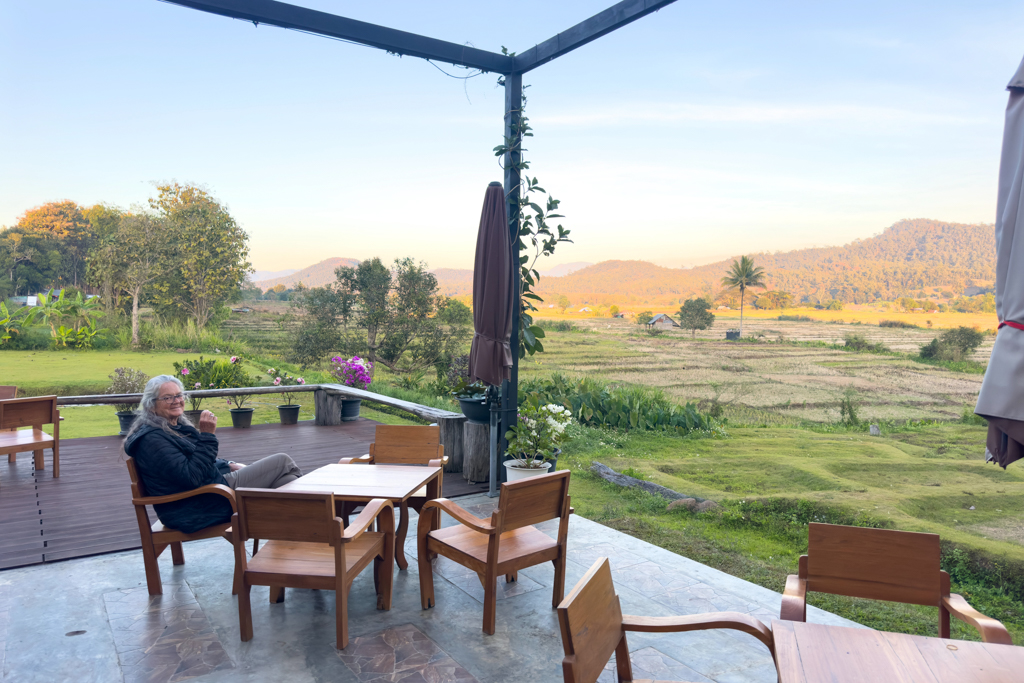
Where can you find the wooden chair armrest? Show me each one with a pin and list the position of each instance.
(702, 622)
(218, 489)
(794, 599)
(362, 459)
(991, 630)
(438, 462)
(366, 518)
(460, 515)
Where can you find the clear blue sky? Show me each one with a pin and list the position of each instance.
(702, 131)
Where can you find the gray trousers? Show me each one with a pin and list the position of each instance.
(270, 472)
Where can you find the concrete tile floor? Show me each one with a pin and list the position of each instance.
(90, 620)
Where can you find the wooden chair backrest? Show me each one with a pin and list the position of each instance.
(876, 564)
(8, 391)
(286, 515)
(34, 411)
(590, 618)
(413, 445)
(138, 490)
(534, 500)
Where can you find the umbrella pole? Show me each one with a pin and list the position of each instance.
(493, 437)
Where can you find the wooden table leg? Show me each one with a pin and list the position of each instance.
(433, 493)
(403, 529)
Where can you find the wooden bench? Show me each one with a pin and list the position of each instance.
(33, 412)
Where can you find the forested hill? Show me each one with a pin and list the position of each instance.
(906, 257)
(316, 275)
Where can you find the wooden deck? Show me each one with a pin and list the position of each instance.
(88, 509)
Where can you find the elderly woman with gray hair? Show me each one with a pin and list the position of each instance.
(172, 456)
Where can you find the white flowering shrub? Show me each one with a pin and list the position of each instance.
(540, 431)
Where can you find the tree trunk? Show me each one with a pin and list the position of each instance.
(135, 317)
(742, 293)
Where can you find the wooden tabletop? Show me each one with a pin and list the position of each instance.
(363, 482)
(813, 653)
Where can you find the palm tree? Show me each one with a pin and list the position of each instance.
(743, 274)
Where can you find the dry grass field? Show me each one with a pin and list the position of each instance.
(770, 382)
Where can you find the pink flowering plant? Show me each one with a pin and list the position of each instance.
(538, 434)
(195, 374)
(353, 372)
(280, 378)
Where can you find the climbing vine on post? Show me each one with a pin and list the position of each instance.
(536, 208)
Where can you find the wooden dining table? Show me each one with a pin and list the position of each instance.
(362, 483)
(815, 653)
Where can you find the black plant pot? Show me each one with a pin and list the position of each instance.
(241, 417)
(350, 409)
(476, 409)
(503, 471)
(126, 418)
(289, 413)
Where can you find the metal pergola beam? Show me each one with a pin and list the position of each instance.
(400, 42)
(600, 24)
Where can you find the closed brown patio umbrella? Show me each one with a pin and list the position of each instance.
(1001, 401)
(490, 357)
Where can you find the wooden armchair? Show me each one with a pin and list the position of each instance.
(504, 545)
(157, 537)
(593, 627)
(308, 547)
(401, 445)
(34, 411)
(880, 564)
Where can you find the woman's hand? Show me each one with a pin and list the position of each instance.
(207, 422)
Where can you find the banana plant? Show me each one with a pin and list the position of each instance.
(12, 322)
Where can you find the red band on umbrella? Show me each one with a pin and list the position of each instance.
(1010, 323)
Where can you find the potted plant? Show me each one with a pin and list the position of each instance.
(195, 374)
(473, 401)
(230, 374)
(126, 381)
(353, 372)
(288, 412)
(533, 442)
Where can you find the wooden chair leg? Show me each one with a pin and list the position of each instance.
(341, 618)
(12, 457)
(426, 578)
(943, 622)
(276, 594)
(559, 583)
(403, 529)
(177, 554)
(490, 601)
(56, 460)
(38, 458)
(512, 578)
(387, 576)
(622, 665)
(244, 612)
(153, 581)
(255, 545)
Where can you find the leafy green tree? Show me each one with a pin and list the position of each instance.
(613, 311)
(744, 274)
(11, 322)
(774, 300)
(954, 345)
(694, 315)
(64, 224)
(564, 302)
(319, 333)
(30, 260)
(408, 325)
(133, 255)
(211, 259)
(643, 317)
(105, 219)
(834, 305)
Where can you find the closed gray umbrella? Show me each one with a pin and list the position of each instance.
(1001, 401)
(490, 357)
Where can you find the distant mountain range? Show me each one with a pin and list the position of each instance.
(258, 275)
(316, 275)
(907, 257)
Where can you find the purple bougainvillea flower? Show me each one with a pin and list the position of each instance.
(301, 381)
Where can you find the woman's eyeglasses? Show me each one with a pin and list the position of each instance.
(172, 399)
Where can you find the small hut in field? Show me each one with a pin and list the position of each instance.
(662, 322)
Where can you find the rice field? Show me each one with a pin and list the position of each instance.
(771, 382)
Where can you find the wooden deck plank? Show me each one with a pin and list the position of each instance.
(88, 510)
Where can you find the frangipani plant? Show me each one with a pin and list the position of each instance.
(539, 432)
